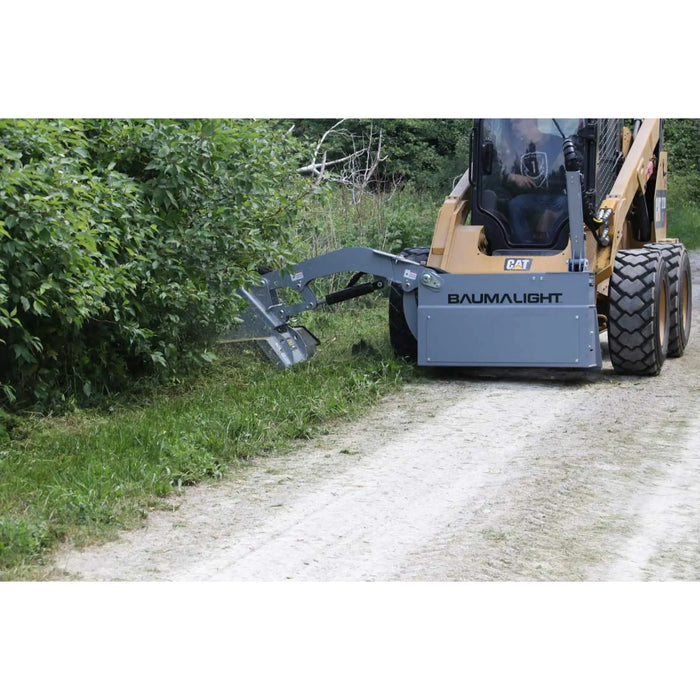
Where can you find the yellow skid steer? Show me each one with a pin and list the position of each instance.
(556, 233)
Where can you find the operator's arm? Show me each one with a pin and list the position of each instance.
(518, 182)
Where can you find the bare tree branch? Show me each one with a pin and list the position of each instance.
(313, 168)
(358, 167)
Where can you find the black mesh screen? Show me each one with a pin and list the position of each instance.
(607, 158)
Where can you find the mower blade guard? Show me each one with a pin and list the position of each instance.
(288, 347)
(284, 345)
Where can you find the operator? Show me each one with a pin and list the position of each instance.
(537, 182)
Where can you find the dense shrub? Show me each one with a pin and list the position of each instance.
(122, 244)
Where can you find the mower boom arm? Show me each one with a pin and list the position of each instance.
(265, 319)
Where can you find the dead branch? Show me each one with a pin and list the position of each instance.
(357, 169)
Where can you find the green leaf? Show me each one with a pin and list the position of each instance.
(22, 352)
(158, 359)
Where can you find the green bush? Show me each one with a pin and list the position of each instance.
(122, 244)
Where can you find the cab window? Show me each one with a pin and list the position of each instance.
(522, 181)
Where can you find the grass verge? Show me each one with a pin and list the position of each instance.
(85, 474)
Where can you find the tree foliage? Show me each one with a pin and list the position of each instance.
(682, 141)
(122, 244)
(429, 153)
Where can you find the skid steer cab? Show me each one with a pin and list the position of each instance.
(555, 234)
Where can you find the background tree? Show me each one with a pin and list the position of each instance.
(428, 153)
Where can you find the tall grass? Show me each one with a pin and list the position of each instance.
(387, 221)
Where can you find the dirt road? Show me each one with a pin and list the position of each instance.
(471, 475)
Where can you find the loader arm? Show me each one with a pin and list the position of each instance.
(632, 178)
(266, 319)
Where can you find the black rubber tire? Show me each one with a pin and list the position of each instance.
(639, 317)
(680, 294)
(403, 341)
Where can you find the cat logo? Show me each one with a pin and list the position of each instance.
(518, 264)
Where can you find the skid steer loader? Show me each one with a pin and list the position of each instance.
(555, 234)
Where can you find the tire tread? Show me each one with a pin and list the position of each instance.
(633, 341)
